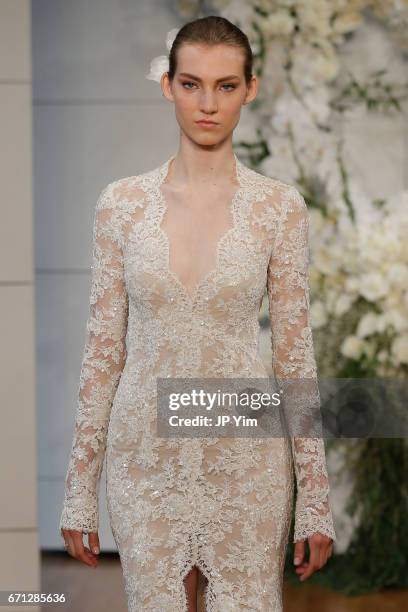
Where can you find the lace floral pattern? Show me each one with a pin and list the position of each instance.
(221, 504)
(293, 359)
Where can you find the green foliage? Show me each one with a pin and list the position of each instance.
(376, 94)
(377, 556)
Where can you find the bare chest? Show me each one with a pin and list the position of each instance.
(194, 225)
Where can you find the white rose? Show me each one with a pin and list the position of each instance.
(352, 284)
(280, 23)
(352, 347)
(392, 299)
(317, 221)
(381, 323)
(314, 16)
(343, 304)
(318, 314)
(325, 68)
(373, 286)
(324, 262)
(399, 349)
(170, 37)
(368, 325)
(158, 66)
(398, 275)
(347, 22)
(395, 318)
(331, 300)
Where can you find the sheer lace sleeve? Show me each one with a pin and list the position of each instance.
(102, 363)
(293, 358)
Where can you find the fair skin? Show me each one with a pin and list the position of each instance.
(205, 158)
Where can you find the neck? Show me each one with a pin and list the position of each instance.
(198, 166)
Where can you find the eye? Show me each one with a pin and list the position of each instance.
(187, 83)
(231, 85)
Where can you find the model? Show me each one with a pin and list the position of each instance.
(182, 256)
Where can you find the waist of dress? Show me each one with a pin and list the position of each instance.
(249, 365)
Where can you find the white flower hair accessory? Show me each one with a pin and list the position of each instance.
(160, 64)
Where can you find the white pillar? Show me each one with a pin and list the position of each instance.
(20, 559)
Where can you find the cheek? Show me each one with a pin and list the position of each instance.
(231, 108)
(185, 104)
(233, 103)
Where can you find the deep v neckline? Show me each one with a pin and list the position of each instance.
(192, 296)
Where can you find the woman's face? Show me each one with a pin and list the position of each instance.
(201, 91)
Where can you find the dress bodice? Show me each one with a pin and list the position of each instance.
(212, 330)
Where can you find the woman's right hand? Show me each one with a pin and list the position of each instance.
(75, 546)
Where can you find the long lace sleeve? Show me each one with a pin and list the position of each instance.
(293, 359)
(102, 364)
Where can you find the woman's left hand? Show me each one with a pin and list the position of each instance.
(321, 548)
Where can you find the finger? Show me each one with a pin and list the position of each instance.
(91, 556)
(82, 554)
(299, 552)
(329, 552)
(80, 549)
(93, 541)
(65, 539)
(300, 569)
(71, 545)
(323, 547)
(322, 555)
(313, 559)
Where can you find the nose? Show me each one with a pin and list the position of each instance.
(208, 102)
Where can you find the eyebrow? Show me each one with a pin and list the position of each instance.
(191, 76)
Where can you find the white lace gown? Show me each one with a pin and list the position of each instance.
(222, 504)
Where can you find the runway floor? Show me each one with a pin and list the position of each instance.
(101, 590)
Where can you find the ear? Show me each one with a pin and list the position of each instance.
(166, 87)
(252, 89)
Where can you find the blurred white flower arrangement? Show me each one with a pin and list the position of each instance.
(359, 274)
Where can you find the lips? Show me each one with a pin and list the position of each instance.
(206, 122)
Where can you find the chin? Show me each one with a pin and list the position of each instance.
(208, 143)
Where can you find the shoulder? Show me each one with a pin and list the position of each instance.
(121, 202)
(119, 191)
(288, 196)
(280, 198)
(128, 191)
